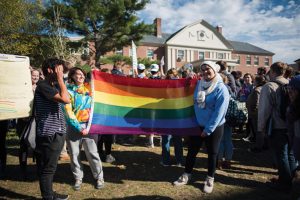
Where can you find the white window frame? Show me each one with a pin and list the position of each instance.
(248, 56)
(201, 53)
(256, 60)
(181, 55)
(119, 52)
(238, 57)
(267, 58)
(150, 56)
(220, 56)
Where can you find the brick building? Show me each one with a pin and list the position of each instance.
(198, 42)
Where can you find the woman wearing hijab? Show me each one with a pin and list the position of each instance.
(211, 99)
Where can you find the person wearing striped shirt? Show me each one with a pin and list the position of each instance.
(50, 96)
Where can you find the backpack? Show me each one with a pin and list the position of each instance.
(282, 99)
(237, 113)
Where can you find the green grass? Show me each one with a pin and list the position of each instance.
(138, 175)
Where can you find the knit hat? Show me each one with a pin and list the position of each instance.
(295, 82)
(154, 68)
(141, 66)
(188, 66)
(212, 65)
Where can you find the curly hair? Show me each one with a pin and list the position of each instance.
(52, 63)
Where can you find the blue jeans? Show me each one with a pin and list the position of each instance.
(177, 140)
(285, 159)
(226, 146)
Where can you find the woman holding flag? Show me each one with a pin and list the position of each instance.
(77, 117)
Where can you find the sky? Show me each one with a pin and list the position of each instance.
(271, 25)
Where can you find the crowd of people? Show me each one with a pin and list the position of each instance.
(63, 106)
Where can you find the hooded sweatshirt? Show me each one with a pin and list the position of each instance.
(212, 114)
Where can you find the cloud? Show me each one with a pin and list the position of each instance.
(278, 9)
(256, 21)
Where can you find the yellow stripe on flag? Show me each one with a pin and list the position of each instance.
(136, 102)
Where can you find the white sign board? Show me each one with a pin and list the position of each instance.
(16, 94)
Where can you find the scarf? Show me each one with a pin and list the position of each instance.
(205, 88)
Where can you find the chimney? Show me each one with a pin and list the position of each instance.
(157, 23)
(219, 29)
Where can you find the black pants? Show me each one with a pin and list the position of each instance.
(23, 151)
(47, 153)
(107, 141)
(212, 143)
(3, 132)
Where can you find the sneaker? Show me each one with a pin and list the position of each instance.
(164, 164)
(226, 164)
(110, 159)
(208, 185)
(246, 139)
(77, 185)
(183, 179)
(220, 164)
(179, 165)
(100, 184)
(150, 145)
(57, 196)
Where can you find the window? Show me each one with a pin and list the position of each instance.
(220, 56)
(201, 55)
(255, 60)
(119, 52)
(238, 59)
(150, 53)
(248, 60)
(267, 60)
(180, 55)
(207, 54)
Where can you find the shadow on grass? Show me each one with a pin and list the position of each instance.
(8, 194)
(137, 197)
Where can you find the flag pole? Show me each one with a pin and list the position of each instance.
(134, 59)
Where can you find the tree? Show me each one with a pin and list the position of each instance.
(110, 24)
(20, 23)
(115, 58)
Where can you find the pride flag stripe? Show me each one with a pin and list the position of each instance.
(125, 130)
(149, 83)
(150, 103)
(133, 91)
(121, 111)
(125, 105)
(143, 123)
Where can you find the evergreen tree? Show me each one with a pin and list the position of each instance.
(110, 24)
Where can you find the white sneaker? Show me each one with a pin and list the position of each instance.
(183, 179)
(110, 159)
(99, 184)
(208, 185)
(150, 145)
(77, 184)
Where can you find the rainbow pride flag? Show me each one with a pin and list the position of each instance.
(125, 105)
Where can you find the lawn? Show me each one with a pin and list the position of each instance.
(137, 174)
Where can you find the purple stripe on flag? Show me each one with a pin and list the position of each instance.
(100, 129)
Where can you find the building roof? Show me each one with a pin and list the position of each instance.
(239, 47)
(298, 60)
(244, 47)
(156, 40)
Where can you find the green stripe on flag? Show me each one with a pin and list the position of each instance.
(129, 112)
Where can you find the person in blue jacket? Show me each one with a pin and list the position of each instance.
(211, 99)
